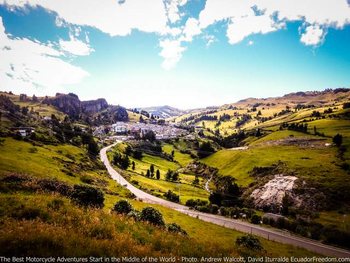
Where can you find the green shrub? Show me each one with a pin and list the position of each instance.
(175, 228)
(203, 208)
(122, 207)
(88, 196)
(53, 185)
(255, 219)
(30, 213)
(136, 215)
(214, 209)
(152, 215)
(250, 242)
(193, 203)
(171, 196)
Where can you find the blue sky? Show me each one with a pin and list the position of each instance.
(184, 53)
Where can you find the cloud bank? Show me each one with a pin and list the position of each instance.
(243, 18)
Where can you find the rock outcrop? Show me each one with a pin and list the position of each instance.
(94, 106)
(71, 104)
(67, 103)
(273, 192)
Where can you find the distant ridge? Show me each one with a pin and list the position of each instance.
(164, 112)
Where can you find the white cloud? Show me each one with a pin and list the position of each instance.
(171, 52)
(75, 46)
(210, 39)
(215, 11)
(34, 67)
(172, 9)
(273, 14)
(313, 35)
(243, 18)
(240, 28)
(250, 43)
(106, 15)
(191, 29)
(334, 13)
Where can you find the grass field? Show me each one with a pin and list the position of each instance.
(182, 187)
(182, 158)
(311, 163)
(63, 162)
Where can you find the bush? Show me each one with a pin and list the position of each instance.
(30, 213)
(152, 215)
(265, 220)
(88, 196)
(255, 219)
(53, 185)
(214, 209)
(250, 242)
(224, 211)
(338, 139)
(171, 196)
(175, 228)
(136, 215)
(203, 208)
(193, 203)
(122, 207)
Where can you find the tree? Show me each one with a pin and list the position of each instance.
(169, 175)
(151, 169)
(133, 165)
(88, 196)
(338, 139)
(171, 196)
(152, 215)
(175, 176)
(148, 174)
(172, 153)
(122, 207)
(149, 135)
(250, 242)
(256, 219)
(205, 149)
(258, 133)
(175, 228)
(158, 174)
(195, 181)
(25, 110)
(93, 147)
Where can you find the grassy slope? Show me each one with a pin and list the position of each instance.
(42, 222)
(50, 162)
(184, 187)
(317, 164)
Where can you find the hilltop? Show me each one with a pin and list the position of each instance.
(164, 111)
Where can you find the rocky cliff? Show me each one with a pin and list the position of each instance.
(94, 106)
(71, 104)
(67, 103)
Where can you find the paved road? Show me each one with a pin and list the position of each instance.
(271, 234)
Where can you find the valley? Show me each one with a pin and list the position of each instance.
(276, 162)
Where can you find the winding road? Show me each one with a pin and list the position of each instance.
(271, 234)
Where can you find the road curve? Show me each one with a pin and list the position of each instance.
(271, 234)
